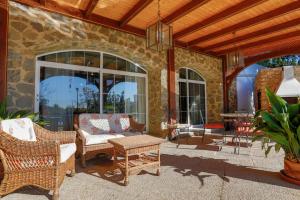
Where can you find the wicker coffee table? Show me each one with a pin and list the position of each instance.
(136, 150)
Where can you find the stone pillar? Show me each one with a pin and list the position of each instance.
(3, 47)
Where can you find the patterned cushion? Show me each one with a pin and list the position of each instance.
(21, 129)
(95, 124)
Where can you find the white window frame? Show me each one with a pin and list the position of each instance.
(187, 81)
(99, 70)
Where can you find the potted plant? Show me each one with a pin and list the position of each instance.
(6, 114)
(280, 128)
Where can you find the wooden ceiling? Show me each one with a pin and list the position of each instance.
(214, 27)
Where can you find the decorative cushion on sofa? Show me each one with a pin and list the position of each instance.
(95, 124)
(21, 129)
(66, 151)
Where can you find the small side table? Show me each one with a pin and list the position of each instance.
(138, 147)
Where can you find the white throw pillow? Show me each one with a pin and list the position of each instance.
(21, 129)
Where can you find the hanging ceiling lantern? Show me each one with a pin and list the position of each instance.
(159, 36)
(235, 59)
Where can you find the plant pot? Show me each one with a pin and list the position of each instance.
(292, 169)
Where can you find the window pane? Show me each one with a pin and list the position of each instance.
(182, 88)
(183, 103)
(108, 103)
(48, 58)
(195, 118)
(121, 64)
(130, 94)
(64, 57)
(109, 62)
(63, 92)
(141, 104)
(194, 76)
(108, 83)
(141, 85)
(182, 73)
(140, 70)
(140, 118)
(92, 59)
(119, 91)
(77, 58)
(183, 118)
(130, 67)
(91, 92)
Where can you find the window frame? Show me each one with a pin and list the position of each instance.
(101, 70)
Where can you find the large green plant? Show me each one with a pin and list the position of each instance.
(280, 125)
(5, 114)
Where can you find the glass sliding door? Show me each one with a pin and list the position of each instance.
(63, 92)
(192, 105)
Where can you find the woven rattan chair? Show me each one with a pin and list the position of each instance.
(38, 163)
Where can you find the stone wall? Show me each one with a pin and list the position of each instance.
(270, 78)
(232, 97)
(211, 71)
(33, 32)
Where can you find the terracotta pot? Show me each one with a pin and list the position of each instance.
(292, 169)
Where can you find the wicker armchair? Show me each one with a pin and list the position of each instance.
(37, 163)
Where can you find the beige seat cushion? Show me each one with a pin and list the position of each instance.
(99, 139)
(66, 151)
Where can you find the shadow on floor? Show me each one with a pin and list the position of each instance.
(210, 143)
(196, 166)
(107, 170)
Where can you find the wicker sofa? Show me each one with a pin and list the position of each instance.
(32, 155)
(93, 131)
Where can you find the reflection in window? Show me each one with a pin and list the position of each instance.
(65, 91)
(124, 94)
(191, 97)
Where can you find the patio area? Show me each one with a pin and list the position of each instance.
(188, 172)
(97, 98)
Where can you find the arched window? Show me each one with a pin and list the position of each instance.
(192, 97)
(88, 81)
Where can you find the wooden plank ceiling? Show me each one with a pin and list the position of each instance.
(214, 27)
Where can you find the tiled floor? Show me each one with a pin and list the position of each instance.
(191, 172)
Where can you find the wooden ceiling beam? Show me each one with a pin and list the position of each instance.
(251, 45)
(90, 7)
(134, 11)
(184, 10)
(231, 11)
(266, 31)
(273, 54)
(43, 2)
(295, 5)
(294, 49)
